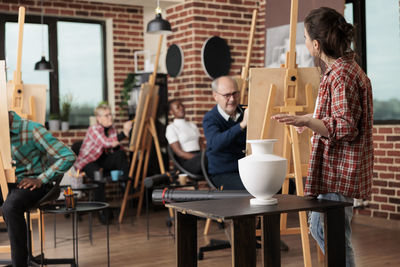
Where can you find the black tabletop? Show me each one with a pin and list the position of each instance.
(82, 187)
(80, 207)
(237, 207)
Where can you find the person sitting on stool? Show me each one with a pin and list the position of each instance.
(101, 150)
(183, 136)
(32, 146)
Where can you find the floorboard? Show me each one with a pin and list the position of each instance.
(129, 245)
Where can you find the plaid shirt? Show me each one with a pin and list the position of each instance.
(94, 144)
(343, 162)
(31, 144)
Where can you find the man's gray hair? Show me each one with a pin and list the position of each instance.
(214, 84)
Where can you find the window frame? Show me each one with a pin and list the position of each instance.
(359, 17)
(51, 21)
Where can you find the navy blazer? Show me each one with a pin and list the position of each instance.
(226, 142)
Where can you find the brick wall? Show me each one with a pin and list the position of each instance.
(127, 36)
(193, 22)
(385, 200)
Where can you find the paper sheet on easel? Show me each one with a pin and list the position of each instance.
(259, 87)
(5, 145)
(38, 91)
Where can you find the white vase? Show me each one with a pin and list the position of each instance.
(262, 172)
(64, 126)
(54, 125)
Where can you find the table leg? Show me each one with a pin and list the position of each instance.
(335, 244)
(73, 236)
(186, 240)
(108, 243)
(90, 218)
(244, 242)
(76, 238)
(270, 239)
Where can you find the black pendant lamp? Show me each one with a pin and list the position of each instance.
(158, 25)
(43, 64)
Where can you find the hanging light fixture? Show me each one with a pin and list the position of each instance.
(158, 25)
(43, 64)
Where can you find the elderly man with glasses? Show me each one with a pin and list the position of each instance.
(225, 131)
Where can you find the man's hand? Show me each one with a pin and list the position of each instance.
(243, 123)
(127, 127)
(31, 183)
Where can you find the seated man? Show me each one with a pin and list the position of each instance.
(225, 132)
(183, 137)
(31, 147)
(101, 149)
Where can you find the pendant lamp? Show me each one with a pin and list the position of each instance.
(158, 25)
(43, 64)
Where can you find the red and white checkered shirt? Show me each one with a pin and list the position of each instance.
(94, 144)
(343, 162)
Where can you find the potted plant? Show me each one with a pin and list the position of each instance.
(66, 101)
(54, 122)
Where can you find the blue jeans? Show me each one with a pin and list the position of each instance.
(316, 221)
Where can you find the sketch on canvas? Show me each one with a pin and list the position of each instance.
(278, 44)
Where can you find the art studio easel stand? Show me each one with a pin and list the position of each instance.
(18, 88)
(7, 174)
(291, 142)
(25, 109)
(243, 84)
(143, 133)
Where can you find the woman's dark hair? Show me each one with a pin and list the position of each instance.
(331, 30)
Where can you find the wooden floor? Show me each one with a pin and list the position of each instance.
(130, 247)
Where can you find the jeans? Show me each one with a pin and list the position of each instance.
(18, 201)
(316, 221)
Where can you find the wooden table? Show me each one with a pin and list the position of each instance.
(243, 217)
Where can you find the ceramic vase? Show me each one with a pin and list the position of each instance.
(262, 172)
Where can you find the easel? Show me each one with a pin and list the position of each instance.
(12, 96)
(243, 84)
(143, 132)
(264, 84)
(7, 172)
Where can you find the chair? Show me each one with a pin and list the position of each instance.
(174, 159)
(50, 197)
(215, 244)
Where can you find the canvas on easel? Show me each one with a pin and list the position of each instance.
(7, 174)
(290, 90)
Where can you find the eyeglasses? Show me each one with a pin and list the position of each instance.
(228, 96)
(106, 115)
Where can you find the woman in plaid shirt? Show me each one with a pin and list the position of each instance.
(341, 160)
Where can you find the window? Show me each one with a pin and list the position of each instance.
(381, 46)
(76, 49)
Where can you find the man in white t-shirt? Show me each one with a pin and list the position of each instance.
(183, 137)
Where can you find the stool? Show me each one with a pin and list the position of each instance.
(40, 260)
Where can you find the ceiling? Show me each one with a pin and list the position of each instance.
(146, 3)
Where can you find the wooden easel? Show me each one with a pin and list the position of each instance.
(143, 133)
(7, 172)
(245, 70)
(264, 85)
(20, 98)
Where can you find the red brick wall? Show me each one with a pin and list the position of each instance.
(385, 200)
(193, 22)
(127, 35)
